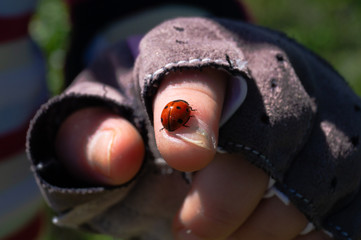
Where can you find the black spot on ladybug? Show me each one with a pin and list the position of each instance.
(187, 109)
(178, 107)
(279, 57)
(161, 119)
(166, 107)
(180, 121)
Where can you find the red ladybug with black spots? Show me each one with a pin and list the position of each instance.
(175, 115)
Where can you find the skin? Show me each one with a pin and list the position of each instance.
(205, 213)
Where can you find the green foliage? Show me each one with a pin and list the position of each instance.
(50, 28)
(330, 28)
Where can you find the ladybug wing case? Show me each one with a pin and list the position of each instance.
(299, 122)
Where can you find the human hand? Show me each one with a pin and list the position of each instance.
(226, 196)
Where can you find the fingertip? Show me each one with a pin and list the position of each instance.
(116, 156)
(99, 147)
(190, 147)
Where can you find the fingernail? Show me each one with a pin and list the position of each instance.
(199, 134)
(99, 151)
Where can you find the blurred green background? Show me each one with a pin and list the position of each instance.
(331, 28)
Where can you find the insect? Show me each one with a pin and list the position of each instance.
(175, 114)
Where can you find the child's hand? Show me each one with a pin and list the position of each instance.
(226, 196)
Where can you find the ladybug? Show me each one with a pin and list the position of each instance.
(175, 114)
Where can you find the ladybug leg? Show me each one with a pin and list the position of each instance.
(161, 129)
(184, 125)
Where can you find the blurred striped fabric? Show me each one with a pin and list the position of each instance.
(22, 89)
